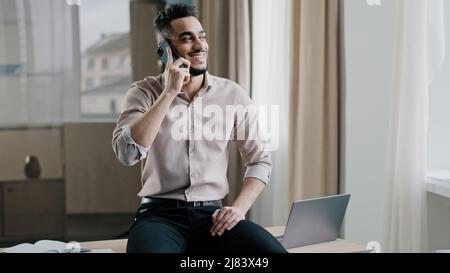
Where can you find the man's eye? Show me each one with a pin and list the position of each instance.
(202, 37)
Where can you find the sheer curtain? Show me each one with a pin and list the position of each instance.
(271, 76)
(39, 60)
(420, 54)
(295, 62)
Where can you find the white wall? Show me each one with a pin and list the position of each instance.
(367, 54)
(367, 84)
(439, 146)
(439, 130)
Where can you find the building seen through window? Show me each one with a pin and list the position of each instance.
(105, 57)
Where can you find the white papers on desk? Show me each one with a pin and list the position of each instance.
(51, 246)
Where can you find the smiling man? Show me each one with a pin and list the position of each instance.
(184, 180)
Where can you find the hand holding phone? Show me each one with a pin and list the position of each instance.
(164, 56)
(176, 68)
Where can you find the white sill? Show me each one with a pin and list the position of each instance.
(438, 182)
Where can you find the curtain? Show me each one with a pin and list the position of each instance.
(271, 55)
(39, 63)
(227, 24)
(144, 59)
(294, 66)
(420, 54)
(295, 62)
(314, 114)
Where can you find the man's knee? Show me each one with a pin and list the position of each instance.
(247, 236)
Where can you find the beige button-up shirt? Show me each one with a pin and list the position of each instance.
(182, 163)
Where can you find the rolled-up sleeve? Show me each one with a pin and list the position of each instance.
(137, 102)
(257, 160)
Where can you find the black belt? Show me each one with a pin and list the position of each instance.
(178, 203)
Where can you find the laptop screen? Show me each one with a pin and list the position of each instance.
(313, 221)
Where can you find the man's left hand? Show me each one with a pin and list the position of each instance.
(226, 218)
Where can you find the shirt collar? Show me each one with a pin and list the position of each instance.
(207, 83)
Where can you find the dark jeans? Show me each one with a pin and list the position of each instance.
(186, 230)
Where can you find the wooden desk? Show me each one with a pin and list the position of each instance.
(338, 246)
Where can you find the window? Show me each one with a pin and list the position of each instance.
(91, 64)
(106, 80)
(105, 36)
(37, 45)
(105, 64)
(89, 83)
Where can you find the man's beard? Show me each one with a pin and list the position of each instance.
(197, 72)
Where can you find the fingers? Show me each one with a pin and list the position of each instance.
(215, 213)
(169, 57)
(180, 64)
(220, 215)
(182, 61)
(225, 219)
(176, 73)
(217, 216)
(234, 223)
(220, 221)
(214, 217)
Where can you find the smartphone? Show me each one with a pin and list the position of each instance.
(162, 53)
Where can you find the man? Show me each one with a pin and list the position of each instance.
(185, 177)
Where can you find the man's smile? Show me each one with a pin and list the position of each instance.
(197, 56)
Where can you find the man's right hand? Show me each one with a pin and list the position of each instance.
(174, 75)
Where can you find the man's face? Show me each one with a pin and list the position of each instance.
(189, 39)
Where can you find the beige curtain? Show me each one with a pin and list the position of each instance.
(227, 24)
(314, 117)
(143, 39)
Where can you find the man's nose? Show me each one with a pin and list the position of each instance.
(199, 44)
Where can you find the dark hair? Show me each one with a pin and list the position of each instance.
(164, 17)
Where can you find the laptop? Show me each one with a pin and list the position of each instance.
(313, 221)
